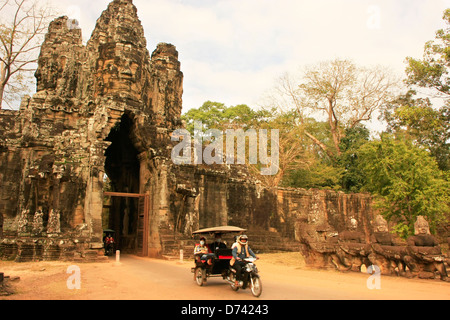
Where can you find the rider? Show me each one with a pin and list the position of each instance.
(240, 252)
(109, 242)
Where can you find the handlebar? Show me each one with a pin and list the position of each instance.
(250, 259)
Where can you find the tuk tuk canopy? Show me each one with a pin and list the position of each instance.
(222, 229)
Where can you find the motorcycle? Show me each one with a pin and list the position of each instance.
(109, 243)
(250, 278)
(109, 247)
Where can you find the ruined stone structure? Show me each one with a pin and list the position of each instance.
(107, 109)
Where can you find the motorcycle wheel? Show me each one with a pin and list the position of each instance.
(200, 276)
(233, 280)
(256, 286)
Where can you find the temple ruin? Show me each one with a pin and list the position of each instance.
(90, 150)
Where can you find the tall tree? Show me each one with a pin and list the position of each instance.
(352, 178)
(339, 91)
(22, 26)
(292, 155)
(416, 119)
(405, 181)
(216, 115)
(433, 70)
(427, 123)
(322, 172)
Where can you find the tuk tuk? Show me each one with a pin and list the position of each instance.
(216, 263)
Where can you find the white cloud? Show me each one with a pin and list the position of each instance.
(231, 86)
(178, 21)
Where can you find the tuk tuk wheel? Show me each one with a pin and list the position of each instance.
(200, 276)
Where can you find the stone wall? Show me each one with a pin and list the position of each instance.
(338, 208)
(208, 197)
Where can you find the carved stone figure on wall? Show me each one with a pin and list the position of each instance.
(387, 250)
(38, 222)
(353, 250)
(54, 225)
(424, 253)
(22, 223)
(318, 241)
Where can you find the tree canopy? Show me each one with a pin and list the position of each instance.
(338, 91)
(406, 182)
(433, 70)
(417, 120)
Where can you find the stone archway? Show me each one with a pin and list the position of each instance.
(122, 167)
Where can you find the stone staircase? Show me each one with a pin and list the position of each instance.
(172, 242)
(261, 241)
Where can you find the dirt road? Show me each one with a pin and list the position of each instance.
(283, 278)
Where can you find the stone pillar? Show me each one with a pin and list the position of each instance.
(159, 215)
(93, 207)
(144, 180)
(163, 193)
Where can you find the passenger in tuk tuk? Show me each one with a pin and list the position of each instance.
(217, 244)
(202, 253)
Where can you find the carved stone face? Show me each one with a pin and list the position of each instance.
(312, 218)
(421, 226)
(380, 224)
(353, 224)
(119, 69)
(316, 218)
(47, 74)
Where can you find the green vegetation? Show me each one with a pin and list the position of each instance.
(406, 182)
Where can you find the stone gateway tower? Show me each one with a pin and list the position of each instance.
(103, 108)
(90, 150)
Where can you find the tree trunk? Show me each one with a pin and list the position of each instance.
(1, 95)
(334, 126)
(2, 82)
(321, 146)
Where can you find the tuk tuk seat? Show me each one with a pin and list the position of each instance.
(222, 261)
(224, 254)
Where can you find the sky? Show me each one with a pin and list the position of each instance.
(233, 51)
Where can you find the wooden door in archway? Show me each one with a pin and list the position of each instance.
(142, 224)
